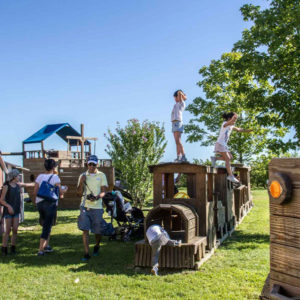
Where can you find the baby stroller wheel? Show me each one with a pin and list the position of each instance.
(126, 238)
(113, 238)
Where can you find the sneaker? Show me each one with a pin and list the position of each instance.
(41, 253)
(48, 249)
(86, 257)
(96, 250)
(232, 179)
(4, 251)
(183, 159)
(213, 161)
(178, 243)
(154, 271)
(13, 249)
(178, 159)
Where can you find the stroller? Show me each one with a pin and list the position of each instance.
(130, 219)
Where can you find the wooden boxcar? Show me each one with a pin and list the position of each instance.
(283, 281)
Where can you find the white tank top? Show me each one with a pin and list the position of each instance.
(224, 134)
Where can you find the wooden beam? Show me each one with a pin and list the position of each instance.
(82, 144)
(81, 138)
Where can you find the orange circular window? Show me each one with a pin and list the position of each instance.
(275, 189)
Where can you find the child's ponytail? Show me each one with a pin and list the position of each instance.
(228, 116)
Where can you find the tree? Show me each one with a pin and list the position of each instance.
(271, 52)
(224, 89)
(132, 149)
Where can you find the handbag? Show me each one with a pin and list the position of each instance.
(48, 192)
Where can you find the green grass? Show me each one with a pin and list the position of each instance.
(236, 271)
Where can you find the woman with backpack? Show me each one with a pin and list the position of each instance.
(47, 191)
(11, 200)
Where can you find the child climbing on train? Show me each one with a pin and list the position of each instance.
(177, 125)
(221, 147)
(158, 237)
(11, 200)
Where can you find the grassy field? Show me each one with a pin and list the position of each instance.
(236, 271)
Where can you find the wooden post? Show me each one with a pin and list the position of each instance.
(43, 150)
(82, 144)
(23, 150)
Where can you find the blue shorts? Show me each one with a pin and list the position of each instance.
(177, 126)
(91, 220)
(8, 216)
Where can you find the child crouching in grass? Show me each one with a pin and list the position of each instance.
(221, 146)
(11, 200)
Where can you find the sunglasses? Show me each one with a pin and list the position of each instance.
(92, 165)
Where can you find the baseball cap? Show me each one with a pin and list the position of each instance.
(93, 159)
(12, 174)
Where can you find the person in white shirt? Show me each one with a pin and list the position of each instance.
(158, 237)
(47, 209)
(221, 146)
(177, 125)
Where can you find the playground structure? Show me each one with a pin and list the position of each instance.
(71, 162)
(283, 282)
(202, 221)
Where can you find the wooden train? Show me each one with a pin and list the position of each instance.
(201, 221)
(283, 282)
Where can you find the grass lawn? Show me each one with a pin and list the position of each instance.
(236, 271)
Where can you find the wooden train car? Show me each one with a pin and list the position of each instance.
(208, 213)
(283, 281)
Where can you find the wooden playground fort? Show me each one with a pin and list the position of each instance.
(283, 282)
(71, 162)
(202, 221)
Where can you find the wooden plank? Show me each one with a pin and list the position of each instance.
(284, 278)
(178, 168)
(285, 259)
(169, 185)
(157, 189)
(285, 230)
(290, 209)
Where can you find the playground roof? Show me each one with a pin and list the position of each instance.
(63, 130)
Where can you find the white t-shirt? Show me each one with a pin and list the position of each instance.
(45, 177)
(224, 134)
(154, 231)
(177, 111)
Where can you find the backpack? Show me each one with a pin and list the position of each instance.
(48, 192)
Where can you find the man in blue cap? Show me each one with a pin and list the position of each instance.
(92, 186)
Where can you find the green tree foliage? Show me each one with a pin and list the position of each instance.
(259, 168)
(271, 52)
(259, 80)
(132, 149)
(223, 88)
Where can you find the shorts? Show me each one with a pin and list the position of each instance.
(221, 148)
(177, 126)
(8, 216)
(91, 219)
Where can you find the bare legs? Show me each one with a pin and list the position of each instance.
(11, 224)
(179, 146)
(85, 239)
(227, 157)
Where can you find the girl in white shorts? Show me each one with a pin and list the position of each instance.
(177, 125)
(221, 146)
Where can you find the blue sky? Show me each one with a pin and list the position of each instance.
(99, 62)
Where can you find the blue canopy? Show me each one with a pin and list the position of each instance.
(63, 130)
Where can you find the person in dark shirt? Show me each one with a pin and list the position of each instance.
(11, 200)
